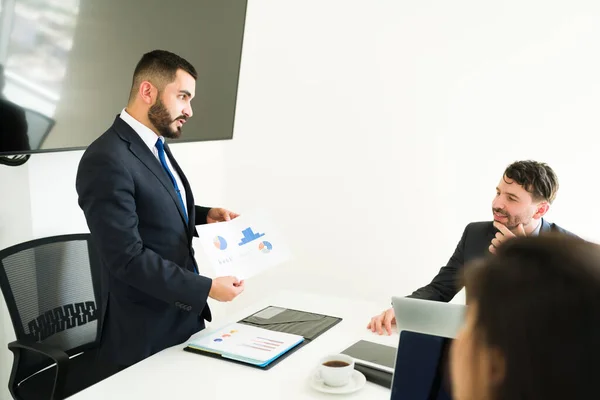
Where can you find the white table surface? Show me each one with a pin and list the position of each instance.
(176, 374)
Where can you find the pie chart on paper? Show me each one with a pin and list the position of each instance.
(265, 247)
(220, 243)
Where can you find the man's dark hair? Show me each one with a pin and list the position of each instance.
(159, 67)
(538, 303)
(535, 177)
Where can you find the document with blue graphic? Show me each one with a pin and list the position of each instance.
(243, 247)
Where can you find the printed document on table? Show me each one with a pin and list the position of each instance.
(242, 247)
(250, 344)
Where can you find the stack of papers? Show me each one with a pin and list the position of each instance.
(247, 343)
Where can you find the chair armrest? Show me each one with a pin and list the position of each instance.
(54, 353)
(60, 357)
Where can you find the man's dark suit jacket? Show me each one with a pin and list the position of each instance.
(475, 243)
(152, 295)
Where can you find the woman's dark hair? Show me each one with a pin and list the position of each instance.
(538, 303)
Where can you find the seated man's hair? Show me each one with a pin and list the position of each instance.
(536, 177)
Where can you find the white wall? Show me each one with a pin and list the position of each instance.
(376, 131)
(15, 227)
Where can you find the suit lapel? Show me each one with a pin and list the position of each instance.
(143, 153)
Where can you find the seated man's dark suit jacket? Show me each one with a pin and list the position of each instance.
(152, 296)
(475, 243)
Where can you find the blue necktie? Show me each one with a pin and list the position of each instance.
(161, 155)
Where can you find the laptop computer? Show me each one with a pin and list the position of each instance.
(421, 370)
(426, 316)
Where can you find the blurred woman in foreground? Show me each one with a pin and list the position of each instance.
(532, 328)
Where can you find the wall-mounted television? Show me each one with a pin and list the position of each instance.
(67, 66)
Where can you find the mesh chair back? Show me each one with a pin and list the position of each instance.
(51, 289)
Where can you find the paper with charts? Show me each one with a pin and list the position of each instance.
(242, 247)
(247, 343)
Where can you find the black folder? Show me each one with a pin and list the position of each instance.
(280, 319)
(377, 376)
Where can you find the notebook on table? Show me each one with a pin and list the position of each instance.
(248, 344)
(374, 355)
(263, 329)
(375, 361)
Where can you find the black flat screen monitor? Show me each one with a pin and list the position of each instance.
(67, 66)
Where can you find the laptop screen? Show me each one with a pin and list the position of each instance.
(422, 368)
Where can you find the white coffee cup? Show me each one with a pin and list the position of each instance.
(336, 370)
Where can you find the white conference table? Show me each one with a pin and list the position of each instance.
(176, 374)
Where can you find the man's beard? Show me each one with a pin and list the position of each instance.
(512, 221)
(161, 119)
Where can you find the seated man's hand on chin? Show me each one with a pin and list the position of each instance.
(384, 320)
(504, 234)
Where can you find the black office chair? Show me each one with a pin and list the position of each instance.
(51, 288)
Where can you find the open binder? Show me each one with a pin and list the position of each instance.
(305, 326)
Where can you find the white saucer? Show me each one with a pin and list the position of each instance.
(357, 381)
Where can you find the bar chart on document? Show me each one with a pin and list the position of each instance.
(244, 246)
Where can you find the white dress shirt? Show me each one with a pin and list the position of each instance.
(150, 138)
(536, 231)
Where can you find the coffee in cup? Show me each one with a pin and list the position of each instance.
(336, 364)
(336, 370)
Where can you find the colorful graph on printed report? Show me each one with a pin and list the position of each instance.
(226, 335)
(220, 243)
(258, 342)
(265, 247)
(264, 344)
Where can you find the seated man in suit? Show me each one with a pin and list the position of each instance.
(141, 214)
(523, 195)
